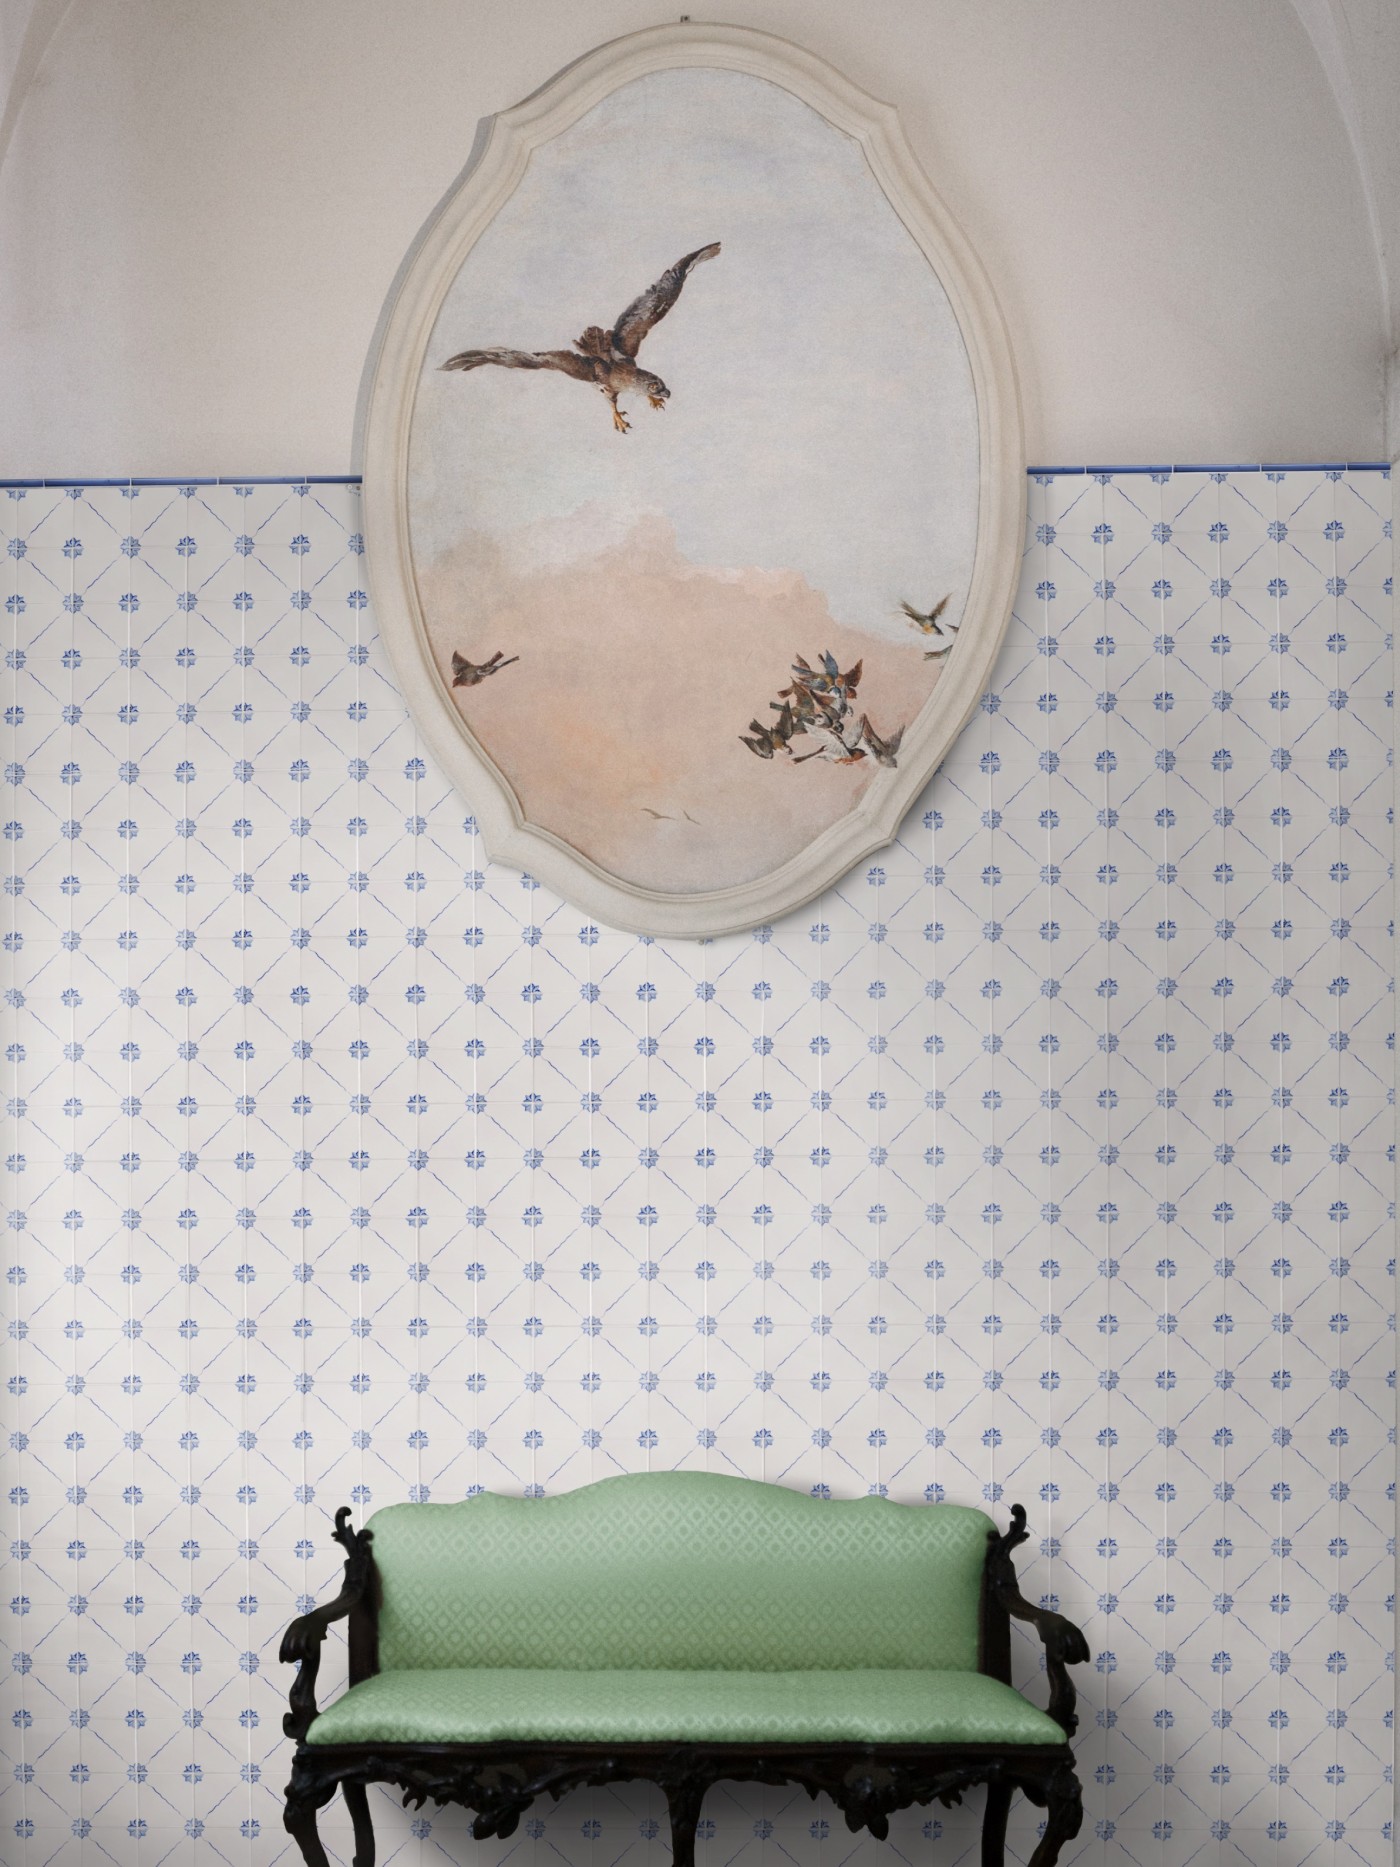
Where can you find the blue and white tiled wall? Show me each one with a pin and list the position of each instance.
(1047, 1158)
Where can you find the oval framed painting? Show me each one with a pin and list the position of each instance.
(693, 480)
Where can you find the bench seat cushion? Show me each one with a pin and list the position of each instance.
(484, 1705)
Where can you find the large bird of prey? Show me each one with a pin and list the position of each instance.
(607, 359)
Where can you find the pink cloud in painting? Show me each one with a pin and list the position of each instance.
(618, 728)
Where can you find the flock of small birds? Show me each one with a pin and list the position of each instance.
(820, 706)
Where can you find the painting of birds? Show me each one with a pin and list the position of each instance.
(765, 741)
(819, 705)
(926, 621)
(472, 673)
(830, 732)
(827, 680)
(605, 358)
(882, 750)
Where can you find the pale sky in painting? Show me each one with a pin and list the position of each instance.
(822, 416)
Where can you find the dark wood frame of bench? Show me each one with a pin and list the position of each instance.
(867, 1782)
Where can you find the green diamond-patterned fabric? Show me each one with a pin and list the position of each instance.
(679, 1570)
(463, 1706)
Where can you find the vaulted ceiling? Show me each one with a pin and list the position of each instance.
(26, 29)
(1357, 43)
(1358, 46)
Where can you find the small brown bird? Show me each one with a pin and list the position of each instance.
(472, 673)
(796, 712)
(775, 738)
(832, 744)
(927, 622)
(837, 739)
(766, 740)
(824, 683)
(883, 749)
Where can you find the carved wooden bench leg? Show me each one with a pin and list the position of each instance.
(357, 1801)
(300, 1823)
(994, 1824)
(1064, 1811)
(683, 1803)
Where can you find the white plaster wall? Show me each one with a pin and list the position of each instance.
(203, 205)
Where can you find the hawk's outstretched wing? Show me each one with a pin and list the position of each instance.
(655, 302)
(565, 360)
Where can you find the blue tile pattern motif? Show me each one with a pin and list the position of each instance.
(1046, 1158)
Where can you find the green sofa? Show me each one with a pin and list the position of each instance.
(682, 1627)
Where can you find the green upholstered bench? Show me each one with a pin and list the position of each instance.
(682, 1627)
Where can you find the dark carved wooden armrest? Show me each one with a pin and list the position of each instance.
(302, 1641)
(1065, 1645)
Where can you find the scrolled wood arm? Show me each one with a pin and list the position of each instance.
(1064, 1644)
(301, 1644)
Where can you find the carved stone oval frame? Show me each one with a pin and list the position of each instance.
(502, 150)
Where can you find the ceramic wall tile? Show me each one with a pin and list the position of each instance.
(1047, 1158)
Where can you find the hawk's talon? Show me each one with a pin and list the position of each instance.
(656, 401)
(620, 421)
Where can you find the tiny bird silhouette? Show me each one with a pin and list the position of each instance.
(472, 673)
(926, 621)
(607, 359)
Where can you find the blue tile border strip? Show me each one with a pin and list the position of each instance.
(1227, 466)
(190, 479)
(353, 479)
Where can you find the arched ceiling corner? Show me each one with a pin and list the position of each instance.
(26, 32)
(1357, 44)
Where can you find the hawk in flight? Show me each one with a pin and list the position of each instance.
(607, 359)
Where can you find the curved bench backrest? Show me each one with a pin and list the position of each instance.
(690, 1570)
